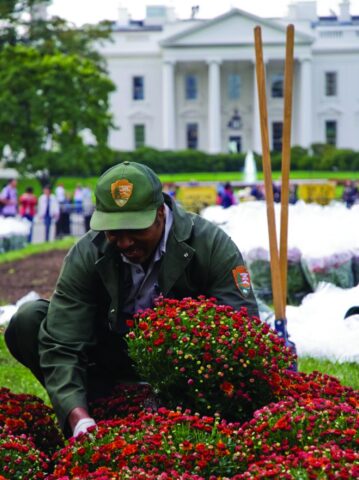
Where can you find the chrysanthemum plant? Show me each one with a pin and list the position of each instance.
(164, 444)
(27, 414)
(207, 357)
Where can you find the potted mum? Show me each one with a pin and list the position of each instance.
(207, 357)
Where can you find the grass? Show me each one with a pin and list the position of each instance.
(347, 372)
(16, 377)
(32, 249)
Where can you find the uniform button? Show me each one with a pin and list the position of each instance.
(113, 310)
(185, 255)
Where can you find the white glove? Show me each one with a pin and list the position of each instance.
(82, 425)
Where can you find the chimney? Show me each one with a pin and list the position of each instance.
(123, 18)
(302, 10)
(344, 11)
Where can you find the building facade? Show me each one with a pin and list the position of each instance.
(191, 83)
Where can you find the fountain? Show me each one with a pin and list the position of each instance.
(250, 169)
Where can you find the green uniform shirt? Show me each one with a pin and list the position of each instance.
(200, 259)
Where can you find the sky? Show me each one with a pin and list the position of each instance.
(92, 11)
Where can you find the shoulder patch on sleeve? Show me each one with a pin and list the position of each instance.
(242, 280)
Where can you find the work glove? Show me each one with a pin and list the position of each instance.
(83, 425)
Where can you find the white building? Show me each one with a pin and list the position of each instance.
(191, 84)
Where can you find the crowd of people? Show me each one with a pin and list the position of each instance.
(227, 196)
(50, 208)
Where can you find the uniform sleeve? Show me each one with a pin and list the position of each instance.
(66, 334)
(228, 278)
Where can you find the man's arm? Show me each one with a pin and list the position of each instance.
(66, 334)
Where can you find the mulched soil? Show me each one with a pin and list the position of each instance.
(38, 272)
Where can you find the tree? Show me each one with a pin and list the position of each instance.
(23, 24)
(54, 92)
(49, 104)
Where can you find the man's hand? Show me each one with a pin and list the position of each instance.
(82, 426)
(80, 420)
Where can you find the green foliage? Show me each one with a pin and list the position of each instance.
(54, 93)
(172, 161)
(23, 27)
(39, 117)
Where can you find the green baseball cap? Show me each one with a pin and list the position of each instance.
(127, 198)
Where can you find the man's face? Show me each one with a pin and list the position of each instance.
(139, 245)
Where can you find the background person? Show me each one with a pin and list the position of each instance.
(87, 207)
(27, 207)
(8, 199)
(48, 210)
(141, 245)
(227, 197)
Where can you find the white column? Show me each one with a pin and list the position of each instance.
(256, 128)
(168, 102)
(305, 103)
(214, 106)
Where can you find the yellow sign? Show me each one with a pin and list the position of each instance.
(321, 193)
(196, 197)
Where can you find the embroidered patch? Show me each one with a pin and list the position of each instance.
(242, 280)
(121, 191)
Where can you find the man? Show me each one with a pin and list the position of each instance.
(141, 245)
(48, 210)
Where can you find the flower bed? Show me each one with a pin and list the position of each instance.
(27, 414)
(326, 461)
(19, 459)
(283, 427)
(207, 357)
(163, 441)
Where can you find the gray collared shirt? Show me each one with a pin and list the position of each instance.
(144, 284)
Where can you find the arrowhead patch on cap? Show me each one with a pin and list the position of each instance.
(121, 191)
(242, 280)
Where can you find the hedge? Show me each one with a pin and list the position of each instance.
(318, 157)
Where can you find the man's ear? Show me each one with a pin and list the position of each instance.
(161, 212)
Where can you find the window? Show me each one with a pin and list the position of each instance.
(331, 132)
(277, 134)
(234, 86)
(235, 144)
(192, 136)
(191, 87)
(277, 86)
(138, 88)
(140, 135)
(330, 84)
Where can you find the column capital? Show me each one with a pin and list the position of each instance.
(305, 59)
(216, 61)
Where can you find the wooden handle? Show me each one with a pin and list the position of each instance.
(267, 170)
(287, 124)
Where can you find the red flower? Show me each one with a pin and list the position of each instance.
(228, 388)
